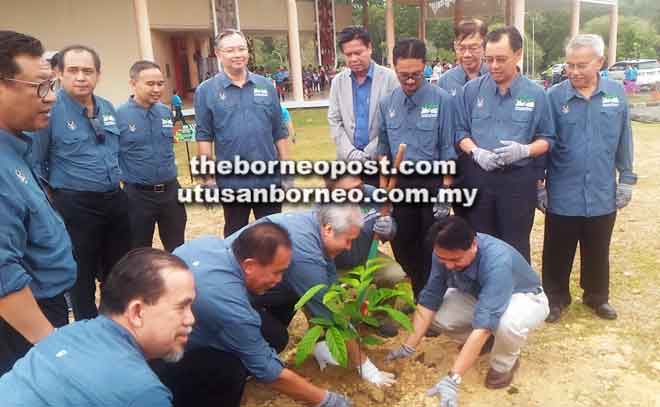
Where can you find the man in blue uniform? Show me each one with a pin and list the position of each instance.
(79, 158)
(479, 287)
(420, 115)
(231, 340)
(504, 124)
(469, 36)
(146, 313)
(147, 161)
(239, 112)
(177, 105)
(594, 143)
(318, 237)
(36, 259)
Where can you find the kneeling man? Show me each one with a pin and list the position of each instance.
(231, 340)
(479, 286)
(145, 313)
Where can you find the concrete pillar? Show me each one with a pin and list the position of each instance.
(143, 30)
(575, 18)
(190, 57)
(389, 30)
(518, 12)
(459, 11)
(423, 9)
(365, 13)
(614, 32)
(294, 51)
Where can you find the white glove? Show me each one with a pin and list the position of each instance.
(358, 155)
(487, 160)
(370, 373)
(323, 356)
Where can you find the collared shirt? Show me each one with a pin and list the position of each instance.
(309, 264)
(224, 317)
(454, 79)
(146, 144)
(594, 140)
(497, 272)
(423, 121)
(488, 117)
(361, 96)
(35, 248)
(244, 122)
(94, 362)
(71, 157)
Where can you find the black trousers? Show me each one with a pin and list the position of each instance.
(562, 235)
(238, 215)
(410, 244)
(14, 346)
(148, 208)
(208, 377)
(505, 203)
(100, 231)
(178, 116)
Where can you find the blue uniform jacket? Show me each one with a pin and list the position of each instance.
(95, 362)
(35, 248)
(497, 272)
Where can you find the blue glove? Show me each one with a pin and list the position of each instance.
(385, 227)
(333, 399)
(623, 195)
(512, 152)
(487, 160)
(447, 390)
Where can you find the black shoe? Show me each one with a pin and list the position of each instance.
(554, 314)
(603, 310)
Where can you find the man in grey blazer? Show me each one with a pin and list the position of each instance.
(354, 96)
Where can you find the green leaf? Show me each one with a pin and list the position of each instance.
(308, 296)
(321, 321)
(371, 321)
(371, 340)
(398, 316)
(329, 296)
(373, 296)
(340, 320)
(355, 283)
(306, 344)
(348, 334)
(337, 346)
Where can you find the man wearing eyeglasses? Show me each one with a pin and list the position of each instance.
(354, 95)
(421, 116)
(36, 259)
(147, 161)
(504, 125)
(240, 113)
(79, 151)
(469, 36)
(594, 143)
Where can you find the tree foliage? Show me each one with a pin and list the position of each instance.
(637, 37)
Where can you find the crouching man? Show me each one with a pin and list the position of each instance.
(145, 314)
(231, 339)
(479, 286)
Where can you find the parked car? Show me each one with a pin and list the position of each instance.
(648, 71)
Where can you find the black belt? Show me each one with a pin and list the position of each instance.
(155, 188)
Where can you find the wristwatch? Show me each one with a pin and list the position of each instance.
(455, 377)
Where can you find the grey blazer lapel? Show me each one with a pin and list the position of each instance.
(347, 96)
(376, 85)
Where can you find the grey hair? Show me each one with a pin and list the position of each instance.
(340, 217)
(593, 41)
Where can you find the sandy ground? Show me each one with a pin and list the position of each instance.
(580, 361)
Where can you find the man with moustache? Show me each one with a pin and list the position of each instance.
(36, 259)
(147, 162)
(146, 314)
(594, 143)
(504, 125)
(231, 339)
(239, 112)
(354, 95)
(79, 158)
